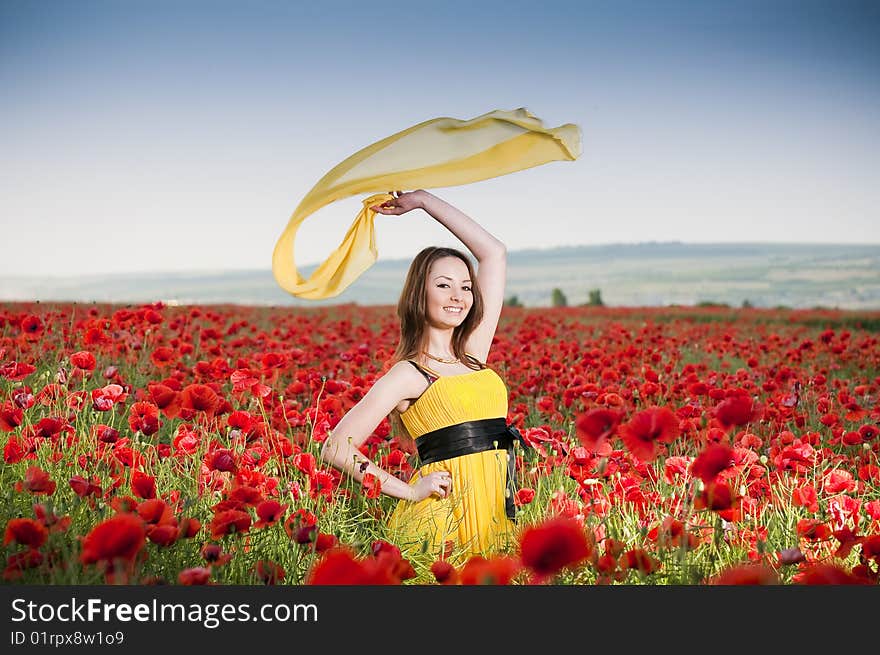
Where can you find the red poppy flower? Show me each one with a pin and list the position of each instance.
(305, 462)
(746, 574)
(553, 545)
(120, 537)
(247, 380)
(339, 566)
(240, 420)
(187, 440)
(144, 417)
(372, 486)
(163, 535)
(16, 371)
(648, 428)
(498, 570)
(37, 481)
(321, 484)
(672, 533)
(32, 327)
(444, 572)
(596, 428)
(197, 398)
(84, 488)
(213, 554)
(16, 450)
(716, 496)
(165, 398)
(162, 356)
(826, 574)
(838, 481)
(197, 575)
(17, 563)
(639, 560)
(805, 496)
(715, 458)
(143, 485)
(156, 512)
(83, 360)
(221, 459)
(871, 547)
(848, 540)
(189, 527)
(53, 522)
(27, 532)
(813, 530)
(49, 427)
(229, 522)
(299, 519)
(736, 410)
(387, 554)
(324, 541)
(524, 496)
(268, 512)
(104, 398)
(10, 416)
(269, 572)
(246, 495)
(104, 433)
(675, 467)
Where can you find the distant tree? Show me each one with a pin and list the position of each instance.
(513, 301)
(747, 304)
(595, 299)
(558, 299)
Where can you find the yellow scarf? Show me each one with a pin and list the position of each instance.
(440, 152)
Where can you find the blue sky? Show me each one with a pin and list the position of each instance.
(171, 136)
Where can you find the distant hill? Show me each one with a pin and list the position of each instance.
(764, 274)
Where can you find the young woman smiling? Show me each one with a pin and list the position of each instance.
(440, 393)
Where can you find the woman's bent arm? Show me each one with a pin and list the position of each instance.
(341, 448)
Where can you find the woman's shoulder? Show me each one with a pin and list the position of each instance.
(410, 381)
(407, 376)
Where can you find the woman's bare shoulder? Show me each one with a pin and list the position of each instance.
(405, 382)
(403, 378)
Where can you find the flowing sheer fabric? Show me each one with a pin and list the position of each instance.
(439, 152)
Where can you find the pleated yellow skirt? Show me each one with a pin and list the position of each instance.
(471, 520)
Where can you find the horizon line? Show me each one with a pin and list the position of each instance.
(216, 271)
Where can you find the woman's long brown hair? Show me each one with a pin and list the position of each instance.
(413, 314)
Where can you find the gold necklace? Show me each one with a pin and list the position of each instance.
(441, 359)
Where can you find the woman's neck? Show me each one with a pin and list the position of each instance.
(439, 343)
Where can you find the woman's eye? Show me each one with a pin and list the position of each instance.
(467, 288)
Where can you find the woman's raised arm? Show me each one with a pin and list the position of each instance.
(491, 255)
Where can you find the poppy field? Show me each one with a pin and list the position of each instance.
(159, 444)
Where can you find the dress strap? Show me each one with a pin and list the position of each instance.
(475, 360)
(429, 376)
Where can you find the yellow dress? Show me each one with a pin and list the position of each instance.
(472, 518)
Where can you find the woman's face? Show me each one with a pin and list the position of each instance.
(448, 293)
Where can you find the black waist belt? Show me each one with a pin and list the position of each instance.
(474, 437)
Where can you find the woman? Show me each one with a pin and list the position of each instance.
(442, 393)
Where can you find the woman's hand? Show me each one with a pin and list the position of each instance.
(401, 203)
(438, 483)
